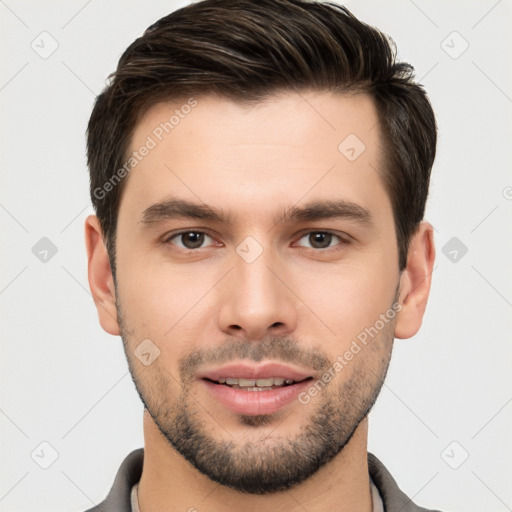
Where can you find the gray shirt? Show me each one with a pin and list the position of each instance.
(386, 495)
(377, 504)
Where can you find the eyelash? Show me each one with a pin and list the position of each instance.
(343, 240)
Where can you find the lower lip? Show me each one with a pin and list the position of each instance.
(255, 402)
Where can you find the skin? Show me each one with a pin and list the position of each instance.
(256, 161)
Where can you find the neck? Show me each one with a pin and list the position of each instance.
(169, 482)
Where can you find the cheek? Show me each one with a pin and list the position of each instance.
(165, 304)
(348, 298)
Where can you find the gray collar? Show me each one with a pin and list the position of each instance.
(130, 471)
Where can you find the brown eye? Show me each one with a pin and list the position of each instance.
(189, 239)
(319, 240)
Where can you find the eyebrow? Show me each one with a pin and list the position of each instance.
(174, 208)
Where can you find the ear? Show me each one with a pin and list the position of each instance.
(101, 281)
(415, 282)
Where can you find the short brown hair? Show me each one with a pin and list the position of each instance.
(246, 50)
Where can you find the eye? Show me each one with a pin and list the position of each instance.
(321, 239)
(190, 239)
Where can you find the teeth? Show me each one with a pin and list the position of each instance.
(246, 382)
(262, 383)
(255, 383)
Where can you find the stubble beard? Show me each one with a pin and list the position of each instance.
(267, 464)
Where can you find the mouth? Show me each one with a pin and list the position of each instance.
(255, 390)
(257, 384)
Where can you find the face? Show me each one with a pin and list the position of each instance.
(257, 274)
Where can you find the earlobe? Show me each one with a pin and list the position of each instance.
(415, 282)
(100, 277)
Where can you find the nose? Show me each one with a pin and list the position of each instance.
(256, 300)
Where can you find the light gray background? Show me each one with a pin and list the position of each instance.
(65, 382)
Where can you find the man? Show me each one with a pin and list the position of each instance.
(259, 170)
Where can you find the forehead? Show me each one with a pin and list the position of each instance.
(290, 146)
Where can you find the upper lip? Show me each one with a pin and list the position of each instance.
(250, 371)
